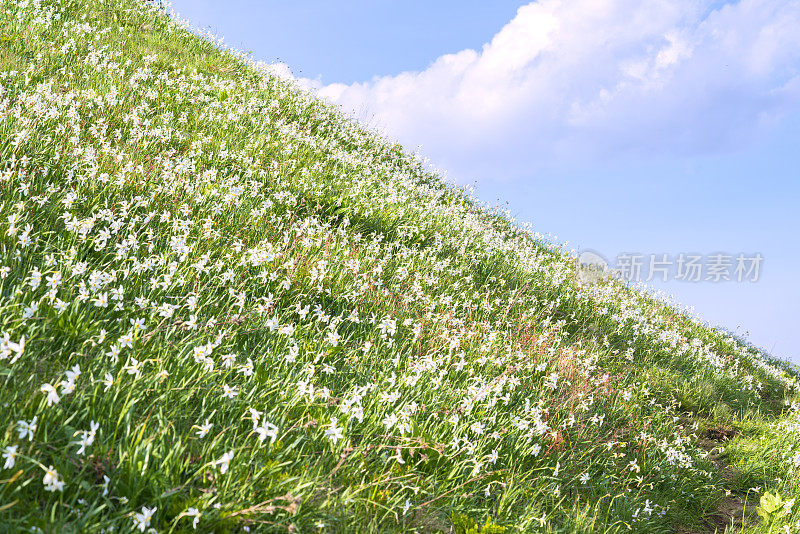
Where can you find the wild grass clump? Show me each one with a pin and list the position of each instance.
(226, 307)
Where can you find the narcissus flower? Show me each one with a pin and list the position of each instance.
(52, 394)
(9, 455)
(224, 462)
(52, 481)
(141, 520)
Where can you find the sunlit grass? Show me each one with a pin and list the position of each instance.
(225, 306)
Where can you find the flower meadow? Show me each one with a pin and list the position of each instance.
(226, 307)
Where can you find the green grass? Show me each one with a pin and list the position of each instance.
(257, 314)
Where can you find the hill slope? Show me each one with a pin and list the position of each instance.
(224, 306)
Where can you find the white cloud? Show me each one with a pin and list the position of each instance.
(579, 80)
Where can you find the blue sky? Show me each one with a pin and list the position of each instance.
(619, 126)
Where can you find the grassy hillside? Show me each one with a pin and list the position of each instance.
(226, 307)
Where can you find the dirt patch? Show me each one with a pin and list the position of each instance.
(731, 513)
(720, 433)
(430, 523)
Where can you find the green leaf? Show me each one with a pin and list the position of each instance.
(772, 506)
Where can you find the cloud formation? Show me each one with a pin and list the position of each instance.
(580, 80)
